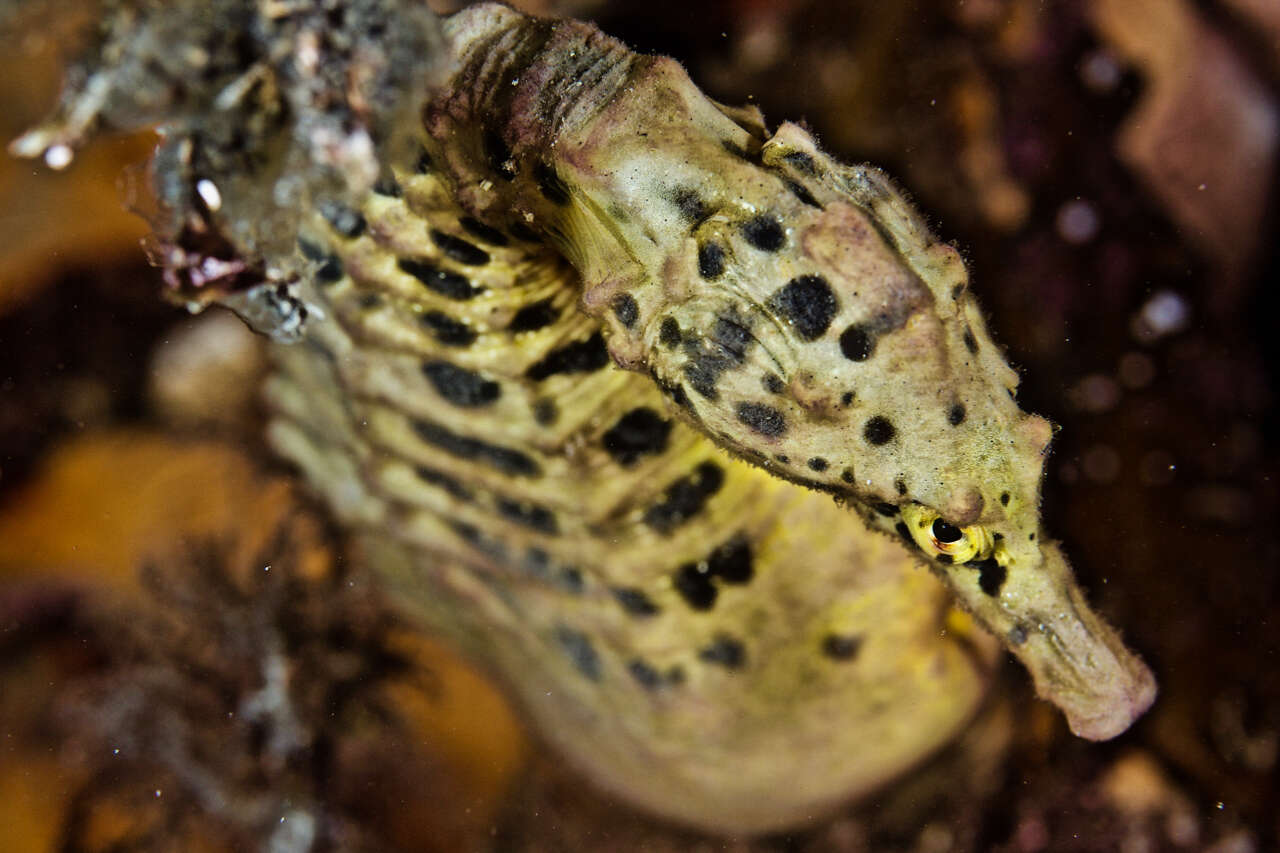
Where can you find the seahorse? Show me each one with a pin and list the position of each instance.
(658, 413)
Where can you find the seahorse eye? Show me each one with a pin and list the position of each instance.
(944, 532)
(939, 538)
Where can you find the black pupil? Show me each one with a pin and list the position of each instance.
(944, 532)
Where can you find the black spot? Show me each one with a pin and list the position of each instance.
(956, 290)
(504, 459)
(445, 283)
(571, 580)
(945, 559)
(423, 164)
(576, 357)
(551, 186)
(857, 343)
(732, 336)
(724, 651)
(460, 250)
(970, 342)
(991, 575)
(764, 232)
(1017, 635)
(545, 412)
(530, 318)
(460, 386)
(944, 532)
(805, 197)
(311, 251)
(879, 430)
(387, 186)
(669, 332)
(773, 383)
(625, 309)
(723, 349)
(330, 270)
(731, 562)
(847, 475)
(639, 432)
(537, 562)
(498, 155)
(533, 516)
(905, 533)
(521, 231)
(581, 652)
(438, 478)
(368, 301)
(888, 510)
(710, 260)
(841, 647)
(1004, 499)
(817, 463)
(763, 419)
(695, 587)
(901, 485)
(801, 161)
(807, 303)
(447, 330)
(685, 498)
(478, 229)
(691, 206)
(846, 399)
(956, 415)
(345, 220)
(677, 394)
(468, 532)
(644, 674)
(703, 373)
(783, 458)
(635, 602)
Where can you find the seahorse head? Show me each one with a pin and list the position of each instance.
(798, 311)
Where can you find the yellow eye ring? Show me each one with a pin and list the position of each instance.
(940, 539)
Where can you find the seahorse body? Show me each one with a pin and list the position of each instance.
(585, 377)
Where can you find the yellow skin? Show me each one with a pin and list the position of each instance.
(584, 380)
(693, 626)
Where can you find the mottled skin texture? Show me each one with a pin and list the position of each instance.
(587, 376)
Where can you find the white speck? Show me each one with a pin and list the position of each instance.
(1156, 468)
(58, 156)
(208, 191)
(1202, 188)
(267, 568)
(1100, 71)
(115, 751)
(515, 81)
(1165, 313)
(157, 792)
(933, 102)
(1078, 222)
